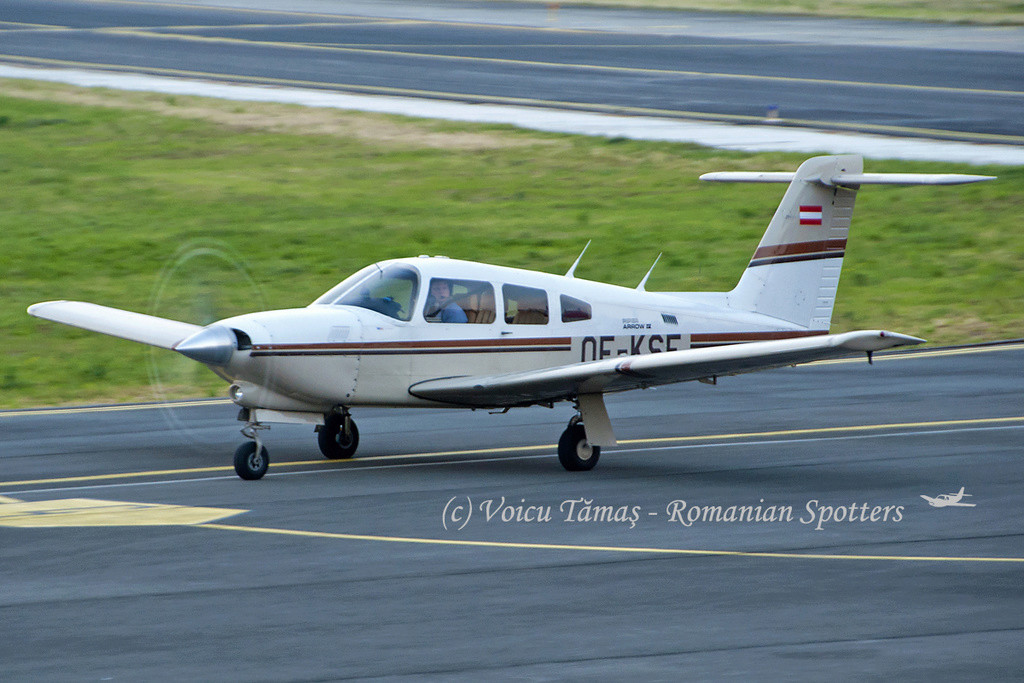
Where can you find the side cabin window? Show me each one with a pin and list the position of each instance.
(390, 290)
(525, 305)
(574, 310)
(459, 301)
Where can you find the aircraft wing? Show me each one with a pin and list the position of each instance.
(137, 327)
(634, 372)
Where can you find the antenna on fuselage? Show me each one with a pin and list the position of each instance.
(575, 263)
(640, 287)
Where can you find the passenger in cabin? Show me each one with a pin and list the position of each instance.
(440, 306)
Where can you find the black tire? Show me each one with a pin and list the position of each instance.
(575, 452)
(333, 442)
(248, 464)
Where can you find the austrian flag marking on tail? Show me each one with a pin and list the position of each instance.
(810, 215)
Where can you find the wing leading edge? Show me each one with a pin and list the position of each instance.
(634, 372)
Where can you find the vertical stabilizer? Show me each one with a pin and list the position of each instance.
(794, 274)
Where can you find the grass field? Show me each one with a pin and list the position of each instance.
(198, 209)
(993, 12)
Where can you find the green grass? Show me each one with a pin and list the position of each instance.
(199, 219)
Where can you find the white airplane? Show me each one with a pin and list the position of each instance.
(437, 332)
(946, 499)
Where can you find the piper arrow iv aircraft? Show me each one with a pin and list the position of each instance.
(436, 332)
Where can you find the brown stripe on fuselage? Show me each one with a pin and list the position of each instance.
(698, 340)
(418, 347)
(395, 352)
(426, 344)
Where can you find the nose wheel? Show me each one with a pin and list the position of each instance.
(574, 451)
(251, 460)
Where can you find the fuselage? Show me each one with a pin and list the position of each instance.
(381, 331)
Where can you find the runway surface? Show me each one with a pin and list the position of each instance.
(902, 79)
(131, 550)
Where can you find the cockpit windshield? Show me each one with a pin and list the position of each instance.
(390, 290)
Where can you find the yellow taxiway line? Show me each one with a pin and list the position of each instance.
(830, 430)
(926, 353)
(583, 66)
(850, 429)
(606, 548)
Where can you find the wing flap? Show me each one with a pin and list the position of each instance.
(633, 372)
(137, 327)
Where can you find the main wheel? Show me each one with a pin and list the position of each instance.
(250, 464)
(334, 442)
(574, 451)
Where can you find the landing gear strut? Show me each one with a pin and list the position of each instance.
(574, 451)
(339, 437)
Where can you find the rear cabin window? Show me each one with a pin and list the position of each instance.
(459, 301)
(574, 310)
(525, 305)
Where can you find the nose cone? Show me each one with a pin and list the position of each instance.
(212, 345)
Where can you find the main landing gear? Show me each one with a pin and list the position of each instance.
(574, 451)
(338, 438)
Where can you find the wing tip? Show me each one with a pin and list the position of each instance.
(36, 308)
(902, 339)
(875, 340)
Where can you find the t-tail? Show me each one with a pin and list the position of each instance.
(794, 273)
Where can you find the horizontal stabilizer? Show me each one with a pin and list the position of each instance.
(847, 179)
(633, 372)
(146, 329)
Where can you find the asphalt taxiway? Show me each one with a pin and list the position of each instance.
(131, 550)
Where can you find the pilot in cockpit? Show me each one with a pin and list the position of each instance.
(440, 306)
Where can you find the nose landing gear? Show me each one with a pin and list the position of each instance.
(251, 458)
